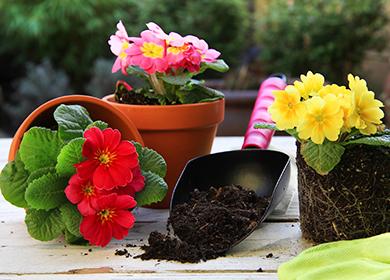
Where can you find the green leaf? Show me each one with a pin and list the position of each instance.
(218, 65)
(71, 218)
(322, 158)
(198, 93)
(177, 80)
(138, 147)
(135, 70)
(99, 124)
(13, 182)
(73, 239)
(46, 192)
(150, 160)
(39, 173)
(263, 125)
(44, 225)
(40, 148)
(70, 155)
(375, 140)
(72, 121)
(154, 191)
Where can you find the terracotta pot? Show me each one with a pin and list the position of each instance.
(98, 109)
(178, 132)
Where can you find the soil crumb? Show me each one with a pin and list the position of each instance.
(207, 226)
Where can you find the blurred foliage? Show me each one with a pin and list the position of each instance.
(103, 81)
(327, 36)
(41, 84)
(71, 33)
(74, 33)
(224, 24)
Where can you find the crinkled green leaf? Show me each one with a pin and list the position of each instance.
(176, 80)
(72, 121)
(322, 158)
(199, 93)
(39, 148)
(44, 225)
(155, 189)
(13, 182)
(375, 140)
(46, 192)
(99, 124)
(70, 155)
(150, 160)
(71, 218)
(73, 239)
(39, 173)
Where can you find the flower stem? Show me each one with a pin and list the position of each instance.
(157, 84)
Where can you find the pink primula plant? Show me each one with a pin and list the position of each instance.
(167, 62)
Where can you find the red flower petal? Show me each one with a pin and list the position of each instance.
(102, 178)
(112, 138)
(85, 208)
(125, 202)
(124, 218)
(103, 236)
(125, 148)
(95, 136)
(106, 201)
(120, 177)
(73, 190)
(89, 227)
(86, 168)
(119, 232)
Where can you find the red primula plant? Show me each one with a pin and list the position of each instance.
(105, 184)
(81, 181)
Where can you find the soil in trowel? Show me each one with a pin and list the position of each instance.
(206, 226)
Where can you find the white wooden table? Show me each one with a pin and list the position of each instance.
(22, 257)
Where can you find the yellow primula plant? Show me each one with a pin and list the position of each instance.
(327, 118)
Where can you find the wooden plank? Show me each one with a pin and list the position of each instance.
(281, 239)
(144, 276)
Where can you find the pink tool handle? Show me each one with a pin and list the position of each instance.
(260, 138)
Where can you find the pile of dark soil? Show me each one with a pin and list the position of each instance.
(208, 225)
(135, 99)
(352, 201)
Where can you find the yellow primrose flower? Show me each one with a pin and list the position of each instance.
(311, 84)
(334, 89)
(344, 95)
(287, 108)
(367, 114)
(323, 119)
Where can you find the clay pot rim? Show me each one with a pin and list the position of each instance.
(166, 117)
(110, 99)
(74, 98)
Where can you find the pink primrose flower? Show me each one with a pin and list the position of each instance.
(148, 53)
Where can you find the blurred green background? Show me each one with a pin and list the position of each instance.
(51, 48)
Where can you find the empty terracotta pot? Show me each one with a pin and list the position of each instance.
(98, 109)
(178, 132)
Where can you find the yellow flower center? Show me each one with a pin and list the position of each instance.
(105, 157)
(319, 118)
(123, 54)
(152, 50)
(290, 105)
(88, 190)
(106, 215)
(177, 50)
